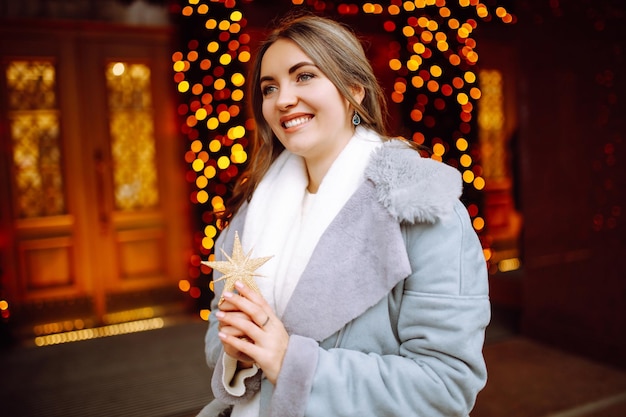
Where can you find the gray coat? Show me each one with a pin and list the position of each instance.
(388, 317)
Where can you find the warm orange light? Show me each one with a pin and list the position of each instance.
(478, 223)
(470, 77)
(479, 183)
(197, 89)
(202, 182)
(409, 6)
(395, 64)
(393, 10)
(212, 123)
(417, 81)
(397, 97)
(400, 86)
(224, 25)
(224, 117)
(462, 98)
(416, 115)
(482, 11)
(244, 56)
(213, 47)
(432, 86)
(414, 63)
(210, 172)
(208, 243)
(223, 162)
(468, 176)
(177, 56)
(184, 285)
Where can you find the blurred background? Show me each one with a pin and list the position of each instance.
(123, 124)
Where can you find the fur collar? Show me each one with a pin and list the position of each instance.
(412, 188)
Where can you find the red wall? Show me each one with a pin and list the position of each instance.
(572, 158)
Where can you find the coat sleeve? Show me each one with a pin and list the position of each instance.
(439, 315)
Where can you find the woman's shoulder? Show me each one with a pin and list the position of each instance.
(412, 188)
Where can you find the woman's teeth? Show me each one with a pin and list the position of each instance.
(296, 122)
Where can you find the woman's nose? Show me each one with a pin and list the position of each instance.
(286, 98)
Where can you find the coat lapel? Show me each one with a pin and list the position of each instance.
(360, 257)
(357, 261)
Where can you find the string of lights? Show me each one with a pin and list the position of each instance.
(433, 58)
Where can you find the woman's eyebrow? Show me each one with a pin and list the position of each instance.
(293, 69)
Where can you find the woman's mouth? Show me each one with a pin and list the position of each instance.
(296, 122)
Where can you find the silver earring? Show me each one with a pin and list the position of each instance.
(356, 119)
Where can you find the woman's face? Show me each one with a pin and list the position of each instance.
(302, 106)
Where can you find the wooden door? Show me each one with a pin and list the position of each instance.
(94, 214)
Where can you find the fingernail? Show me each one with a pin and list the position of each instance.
(220, 314)
(227, 294)
(222, 335)
(239, 284)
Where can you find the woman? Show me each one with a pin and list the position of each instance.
(374, 301)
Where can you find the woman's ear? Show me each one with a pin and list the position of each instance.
(358, 93)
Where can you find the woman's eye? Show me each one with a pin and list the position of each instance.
(268, 89)
(305, 76)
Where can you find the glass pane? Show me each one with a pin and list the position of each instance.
(132, 136)
(34, 130)
(31, 85)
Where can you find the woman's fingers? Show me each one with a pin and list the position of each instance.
(260, 334)
(249, 302)
(240, 323)
(233, 331)
(226, 306)
(266, 348)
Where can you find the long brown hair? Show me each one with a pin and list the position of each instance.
(338, 53)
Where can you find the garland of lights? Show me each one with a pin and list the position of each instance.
(432, 60)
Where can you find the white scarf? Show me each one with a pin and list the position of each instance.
(275, 225)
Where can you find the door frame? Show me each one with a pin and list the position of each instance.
(79, 49)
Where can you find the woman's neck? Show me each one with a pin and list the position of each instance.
(317, 167)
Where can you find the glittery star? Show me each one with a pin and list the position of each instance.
(239, 267)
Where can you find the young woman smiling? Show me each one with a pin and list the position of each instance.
(374, 301)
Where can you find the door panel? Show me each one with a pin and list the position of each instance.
(46, 264)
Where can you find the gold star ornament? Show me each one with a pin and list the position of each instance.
(239, 267)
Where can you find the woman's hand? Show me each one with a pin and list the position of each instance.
(251, 332)
(244, 360)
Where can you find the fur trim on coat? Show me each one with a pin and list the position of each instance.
(412, 188)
